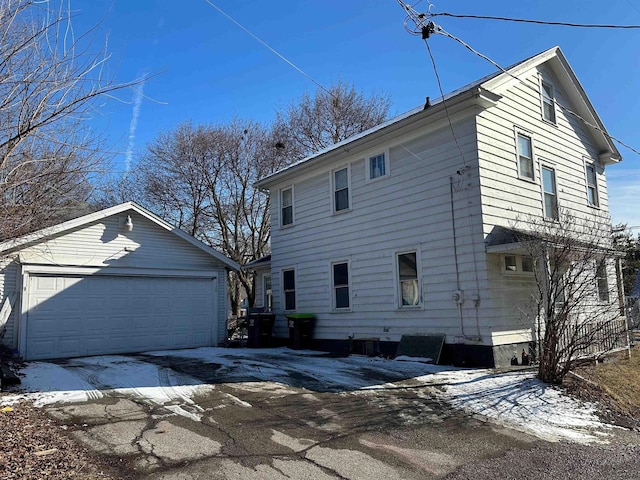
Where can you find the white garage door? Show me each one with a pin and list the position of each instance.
(71, 316)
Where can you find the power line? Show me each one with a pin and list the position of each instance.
(425, 27)
(537, 22)
(633, 6)
(270, 48)
(441, 31)
(444, 103)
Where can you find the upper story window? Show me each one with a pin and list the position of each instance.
(525, 156)
(592, 185)
(341, 189)
(548, 102)
(408, 281)
(377, 166)
(341, 297)
(289, 289)
(549, 193)
(286, 206)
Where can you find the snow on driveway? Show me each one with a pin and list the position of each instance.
(519, 400)
(514, 399)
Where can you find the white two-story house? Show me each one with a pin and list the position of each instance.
(389, 233)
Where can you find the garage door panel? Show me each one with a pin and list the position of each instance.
(75, 316)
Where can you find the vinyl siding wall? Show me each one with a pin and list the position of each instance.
(508, 201)
(102, 244)
(410, 209)
(8, 286)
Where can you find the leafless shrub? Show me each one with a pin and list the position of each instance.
(576, 308)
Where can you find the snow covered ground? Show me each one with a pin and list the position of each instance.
(514, 399)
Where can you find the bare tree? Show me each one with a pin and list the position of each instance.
(50, 82)
(314, 123)
(576, 309)
(202, 179)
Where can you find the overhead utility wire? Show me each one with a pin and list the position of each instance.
(537, 22)
(417, 18)
(266, 45)
(425, 27)
(444, 103)
(523, 82)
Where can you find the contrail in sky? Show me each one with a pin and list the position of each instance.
(137, 104)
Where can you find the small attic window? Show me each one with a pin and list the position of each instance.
(548, 102)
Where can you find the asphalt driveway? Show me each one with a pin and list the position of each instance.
(275, 413)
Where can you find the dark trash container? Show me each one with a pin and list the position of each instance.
(260, 326)
(301, 330)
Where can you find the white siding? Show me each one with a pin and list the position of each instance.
(105, 245)
(8, 287)
(564, 146)
(409, 209)
(508, 201)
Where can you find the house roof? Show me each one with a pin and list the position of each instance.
(50, 232)
(489, 88)
(258, 262)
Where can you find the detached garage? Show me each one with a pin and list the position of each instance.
(120, 280)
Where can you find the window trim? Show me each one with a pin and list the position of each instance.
(544, 98)
(334, 287)
(397, 280)
(265, 304)
(285, 291)
(596, 191)
(367, 165)
(556, 216)
(292, 206)
(519, 270)
(333, 189)
(519, 132)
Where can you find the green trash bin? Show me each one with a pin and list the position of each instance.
(301, 327)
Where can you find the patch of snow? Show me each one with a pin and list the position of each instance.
(513, 399)
(46, 383)
(83, 379)
(237, 401)
(406, 358)
(519, 400)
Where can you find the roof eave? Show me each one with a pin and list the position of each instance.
(474, 95)
(47, 233)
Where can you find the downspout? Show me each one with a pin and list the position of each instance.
(455, 255)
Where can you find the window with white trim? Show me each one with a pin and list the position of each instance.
(341, 190)
(549, 193)
(517, 264)
(289, 289)
(525, 156)
(377, 166)
(408, 281)
(601, 281)
(267, 295)
(548, 102)
(286, 206)
(340, 280)
(592, 185)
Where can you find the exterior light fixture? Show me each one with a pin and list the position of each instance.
(128, 224)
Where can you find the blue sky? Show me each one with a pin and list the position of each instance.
(207, 70)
